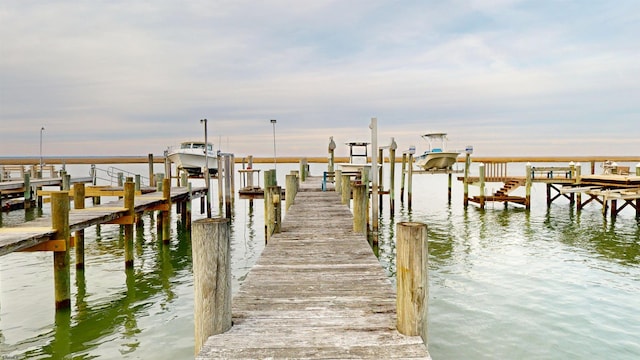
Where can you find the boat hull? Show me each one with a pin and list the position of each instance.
(437, 160)
(194, 163)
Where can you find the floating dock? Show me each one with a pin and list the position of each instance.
(317, 291)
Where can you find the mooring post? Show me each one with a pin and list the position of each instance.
(27, 190)
(211, 256)
(228, 191)
(221, 171)
(166, 225)
(359, 208)
(481, 171)
(450, 184)
(303, 169)
(578, 181)
(337, 181)
(273, 213)
(392, 177)
(129, 204)
(291, 189)
(467, 164)
(152, 181)
(402, 177)
(638, 169)
(410, 181)
(412, 265)
(187, 214)
(380, 179)
(346, 189)
(332, 147)
(61, 259)
(78, 203)
(527, 199)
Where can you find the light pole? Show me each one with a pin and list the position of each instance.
(41, 130)
(206, 167)
(273, 121)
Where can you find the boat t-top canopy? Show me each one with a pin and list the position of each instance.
(353, 144)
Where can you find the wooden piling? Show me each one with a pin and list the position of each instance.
(412, 279)
(78, 203)
(337, 181)
(166, 224)
(410, 181)
(346, 189)
(578, 180)
(402, 177)
(273, 211)
(61, 259)
(360, 209)
(392, 177)
(467, 164)
(129, 204)
(152, 181)
(527, 199)
(27, 190)
(291, 189)
(481, 171)
(304, 171)
(227, 185)
(211, 256)
(450, 184)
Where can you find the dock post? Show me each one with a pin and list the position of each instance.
(412, 279)
(380, 179)
(129, 204)
(374, 174)
(303, 170)
(527, 199)
(360, 209)
(221, 170)
(61, 259)
(481, 171)
(211, 255)
(78, 203)
(332, 147)
(402, 177)
(152, 181)
(392, 177)
(187, 214)
(578, 180)
(346, 189)
(638, 169)
(166, 225)
(27, 190)
(449, 187)
(273, 212)
(228, 174)
(410, 181)
(337, 181)
(467, 164)
(291, 188)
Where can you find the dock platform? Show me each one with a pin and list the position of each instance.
(38, 231)
(317, 291)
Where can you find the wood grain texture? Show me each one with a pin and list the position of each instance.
(316, 292)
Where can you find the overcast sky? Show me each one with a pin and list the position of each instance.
(506, 76)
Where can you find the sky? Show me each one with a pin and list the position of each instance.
(509, 77)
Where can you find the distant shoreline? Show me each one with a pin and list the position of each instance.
(31, 160)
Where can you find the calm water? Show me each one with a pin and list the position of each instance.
(504, 284)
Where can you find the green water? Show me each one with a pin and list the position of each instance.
(504, 284)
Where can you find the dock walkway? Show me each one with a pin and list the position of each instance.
(38, 231)
(316, 292)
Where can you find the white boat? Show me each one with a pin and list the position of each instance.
(357, 160)
(437, 158)
(190, 156)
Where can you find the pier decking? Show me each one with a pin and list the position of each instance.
(317, 291)
(39, 231)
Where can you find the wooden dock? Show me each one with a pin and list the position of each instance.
(39, 231)
(317, 291)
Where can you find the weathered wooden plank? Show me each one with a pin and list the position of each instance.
(317, 291)
(23, 236)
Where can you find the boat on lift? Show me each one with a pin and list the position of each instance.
(357, 159)
(191, 157)
(437, 157)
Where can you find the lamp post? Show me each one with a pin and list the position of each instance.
(206, 167)
(40, 172)
(273, 121)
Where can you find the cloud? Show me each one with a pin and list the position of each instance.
(484, 71)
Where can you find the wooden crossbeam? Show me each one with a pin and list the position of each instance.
(52, 245)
